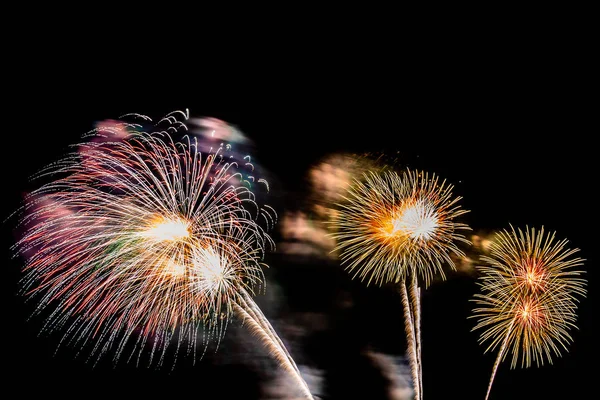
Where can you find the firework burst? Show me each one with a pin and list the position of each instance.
(394, 224)
(393, 227)
(141, 240)
(529, 295)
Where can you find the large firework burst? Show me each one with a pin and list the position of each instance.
(141, 241)
(529, 295)
(393, 227)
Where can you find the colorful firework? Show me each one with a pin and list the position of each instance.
(394, 224)
(393, 227)
(530, 288)
(142, 241)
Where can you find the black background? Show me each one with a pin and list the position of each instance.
(509, 129)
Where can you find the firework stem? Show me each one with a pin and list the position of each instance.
(499, 358)
(275, 338)
(260, 325)
(415, 292)
(252, 308)
(410, 336)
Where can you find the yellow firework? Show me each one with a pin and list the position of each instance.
(392, 223)
(529, 295)
(394, 226)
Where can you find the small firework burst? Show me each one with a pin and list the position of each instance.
(393, 223)
(530, 287)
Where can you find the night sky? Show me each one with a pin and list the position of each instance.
(512, 139)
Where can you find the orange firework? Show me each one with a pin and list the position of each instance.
(530, 289)
(393, 227)
(394, 224)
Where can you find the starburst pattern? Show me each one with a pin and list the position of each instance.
(529, 296)
(392, 223)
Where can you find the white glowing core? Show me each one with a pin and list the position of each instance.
(213, 268)
(418, 222)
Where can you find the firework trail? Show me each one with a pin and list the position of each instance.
(260, 325)
(415, 298)
(394, 227)
(529, 297)
(409, 326)
(141, 240)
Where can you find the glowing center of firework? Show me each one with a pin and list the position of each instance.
(533, 276)
(168, 229)
(530, 312)
(212, 268)
(418, 222)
